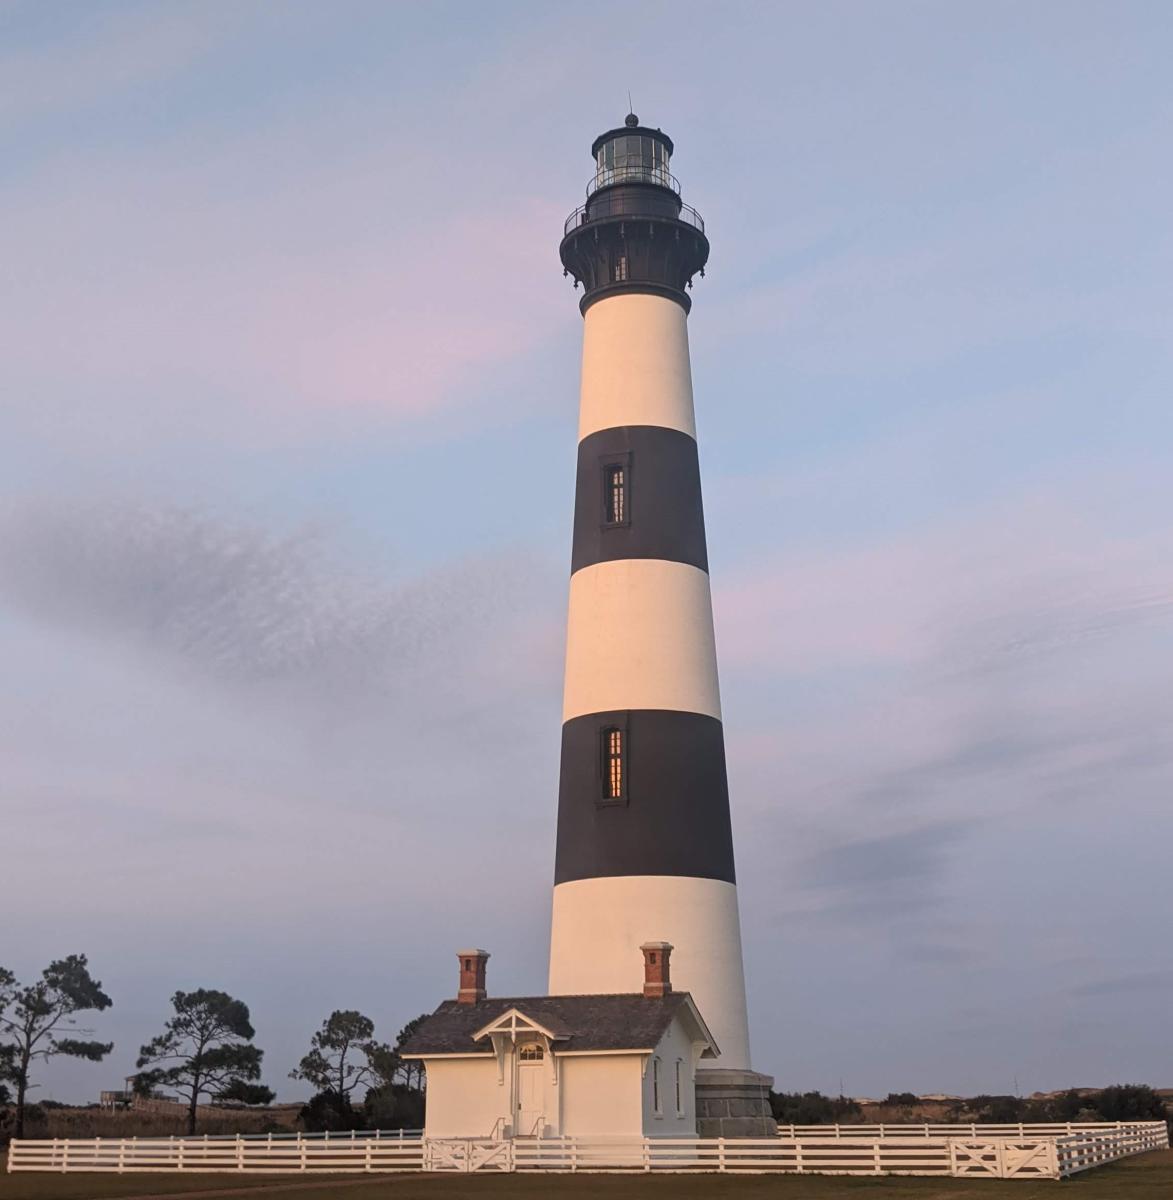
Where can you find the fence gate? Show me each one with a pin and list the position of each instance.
(1031, 1157)
(968, 1159)
(467, 1155)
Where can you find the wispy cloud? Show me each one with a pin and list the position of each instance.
(244, 603)
(882, 877)
(107, 54)
(1124, 985)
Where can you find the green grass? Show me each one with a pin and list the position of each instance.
(1146, 1177)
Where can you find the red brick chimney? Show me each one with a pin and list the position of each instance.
(657, 981)
(472, 975)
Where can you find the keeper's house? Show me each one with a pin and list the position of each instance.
(547, 1066)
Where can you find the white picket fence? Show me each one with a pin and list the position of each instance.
(966, 1151)
(252, 1153)
(1037, 1129)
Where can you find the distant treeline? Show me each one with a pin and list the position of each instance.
(205, 1050)
(1121, 1102)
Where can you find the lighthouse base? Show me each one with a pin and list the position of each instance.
(734, 1104)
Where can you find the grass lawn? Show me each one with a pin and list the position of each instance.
(1146, 1177)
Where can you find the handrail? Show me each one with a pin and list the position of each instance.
(687, 214)
(607, 176)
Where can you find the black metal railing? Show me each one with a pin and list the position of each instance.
(687, 214)
(633, 173)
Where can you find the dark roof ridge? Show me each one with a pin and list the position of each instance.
(568, 996)
(588, 1021)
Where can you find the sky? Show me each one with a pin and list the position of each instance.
(288, 389)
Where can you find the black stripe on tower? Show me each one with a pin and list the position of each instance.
(673, 815)
(657, 512)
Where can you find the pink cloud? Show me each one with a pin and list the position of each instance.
(902, 602)
(235, 296)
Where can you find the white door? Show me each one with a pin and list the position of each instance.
(531, 1089)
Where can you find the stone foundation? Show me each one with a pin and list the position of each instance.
(734, 1104)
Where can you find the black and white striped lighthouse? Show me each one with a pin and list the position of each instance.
(645, 849)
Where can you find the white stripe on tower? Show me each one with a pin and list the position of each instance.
(640, 635)
(597, 921)
(635, 366)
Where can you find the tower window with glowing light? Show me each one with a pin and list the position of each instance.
(616, 495)
(614, 764)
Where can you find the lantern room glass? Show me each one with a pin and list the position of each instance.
(632, 158)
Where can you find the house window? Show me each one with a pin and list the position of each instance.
(531, 1052)
(615, 477)
(621, 268)
(656, 1106)
(614, 763)
(679, 1093)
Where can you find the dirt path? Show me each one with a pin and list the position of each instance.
(332, 1182)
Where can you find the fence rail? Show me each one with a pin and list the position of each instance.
(954, 1130)
(965, 1151)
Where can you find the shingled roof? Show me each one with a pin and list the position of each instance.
(607, 1022)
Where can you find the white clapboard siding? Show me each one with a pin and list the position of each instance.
(965, 1151)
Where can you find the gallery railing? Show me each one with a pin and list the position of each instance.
(629, 206)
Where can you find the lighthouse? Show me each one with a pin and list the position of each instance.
(643, 1032)
(644, 844)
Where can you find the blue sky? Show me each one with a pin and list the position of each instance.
(288, 380)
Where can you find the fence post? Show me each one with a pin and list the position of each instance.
(179, 1160)
(720, 1154)
(367, 1163)
(301, 1147)
(877, 1159)
(121, 1153)
(239, 1153)
(64, 1156)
